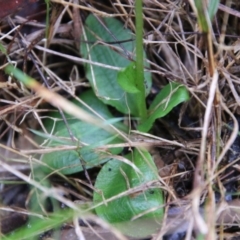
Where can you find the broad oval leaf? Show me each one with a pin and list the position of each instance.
(169, 97)
(115, 178)
(96, 47)
(89, 136)
(126, 79)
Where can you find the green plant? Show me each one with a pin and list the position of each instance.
(90, 138)
(130, 194)
(205, 13)
(104, 79)
(118, 79)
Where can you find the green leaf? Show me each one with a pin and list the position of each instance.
(169, 97)
(104, 80)
(212, 8)
(3, 49)
(41, 225)
(117, 177)
(203, 13)
(201, 16)
(126, 79)
(71, 161)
